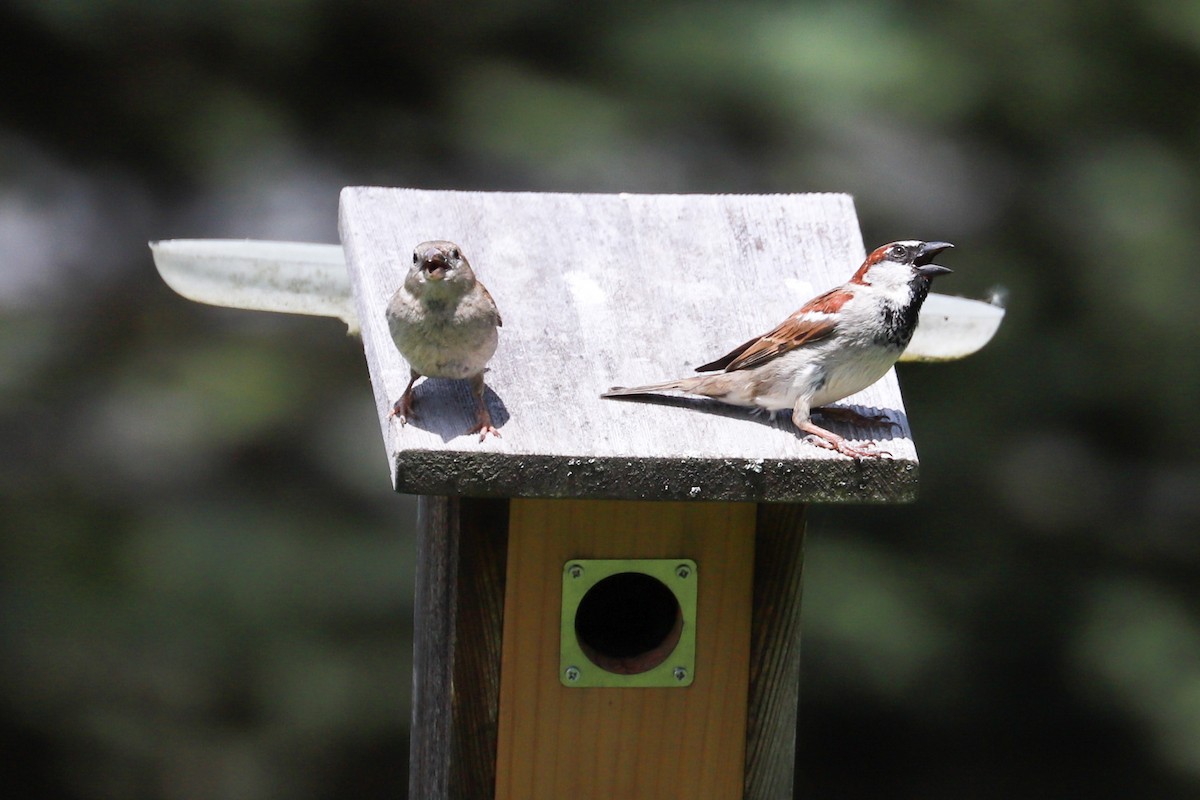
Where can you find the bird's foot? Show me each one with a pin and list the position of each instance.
(847, 449)
(849, 416)
(483, 423)
(403, 409)
(484, 430)
(831, 441)
(876, 453)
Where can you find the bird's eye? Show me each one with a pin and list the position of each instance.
(899, 252)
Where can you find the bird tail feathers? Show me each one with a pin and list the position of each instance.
(651, 388)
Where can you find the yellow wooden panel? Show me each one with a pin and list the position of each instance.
(557, 742)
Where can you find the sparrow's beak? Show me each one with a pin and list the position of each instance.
(435, 267)
(925, 255)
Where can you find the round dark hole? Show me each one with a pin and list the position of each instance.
(628, 623)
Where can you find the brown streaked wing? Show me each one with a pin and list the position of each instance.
(796, 330)
(791, 333)
(727, 359)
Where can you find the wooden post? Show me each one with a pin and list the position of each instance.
(598, 290)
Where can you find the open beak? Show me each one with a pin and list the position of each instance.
(929, 251)
(435, 267)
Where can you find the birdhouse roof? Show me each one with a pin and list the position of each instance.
(602, 290)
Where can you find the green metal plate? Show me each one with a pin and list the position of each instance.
(628, 623)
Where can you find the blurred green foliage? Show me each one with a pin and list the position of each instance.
(205, 580)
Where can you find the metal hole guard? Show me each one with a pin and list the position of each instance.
(630, 600)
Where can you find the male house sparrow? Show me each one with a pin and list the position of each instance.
(444, 322)
(837, 344)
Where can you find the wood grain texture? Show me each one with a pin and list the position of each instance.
(775, 652)
(635, 744)
(483, 553)
(458, 608)
(603, 290)
(434, 606)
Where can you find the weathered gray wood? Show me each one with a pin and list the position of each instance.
(603, 290)
(775, 652)
(461, 555)
(483, 559)
(434, 606)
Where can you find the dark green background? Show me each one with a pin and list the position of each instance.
(205, 580)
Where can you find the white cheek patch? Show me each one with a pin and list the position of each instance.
(889, 273)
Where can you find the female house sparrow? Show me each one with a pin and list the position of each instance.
(837, 344)
(444, 322)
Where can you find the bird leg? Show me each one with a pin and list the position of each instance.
(828, 439)
(403, 409)
(848, 416)
(483, 420)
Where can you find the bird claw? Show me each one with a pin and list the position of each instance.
(847, 449)
(484, 430)
(483, 422)
(402, 410)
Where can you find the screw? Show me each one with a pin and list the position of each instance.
(575, 571)
(571, 674)
(680, 673)
(683, 571)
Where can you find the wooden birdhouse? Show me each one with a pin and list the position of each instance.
(608, 594)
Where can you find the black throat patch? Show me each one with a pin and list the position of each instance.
(899, 322)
